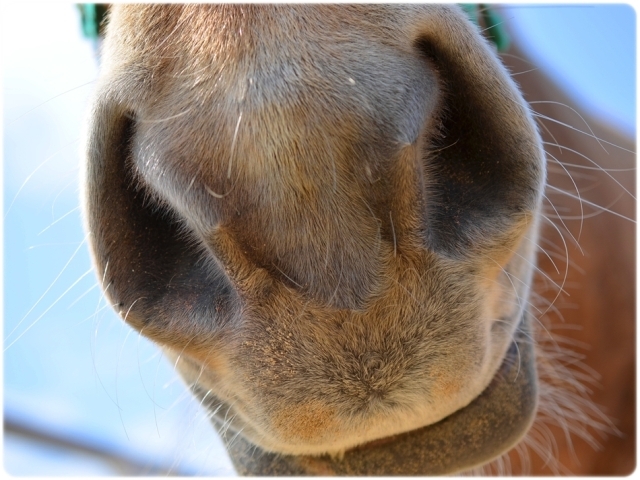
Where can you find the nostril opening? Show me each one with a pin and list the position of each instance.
(484, 167)
(152, 268)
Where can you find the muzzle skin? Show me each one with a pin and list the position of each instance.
(327, 217)
(503, 413)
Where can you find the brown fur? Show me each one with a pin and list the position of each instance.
(326, 214)
(594, 316)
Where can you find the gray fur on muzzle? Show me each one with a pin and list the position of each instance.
(489, 426)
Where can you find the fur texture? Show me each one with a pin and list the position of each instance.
(327, 215)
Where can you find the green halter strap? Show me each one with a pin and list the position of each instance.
(494, 29)
(93, 15)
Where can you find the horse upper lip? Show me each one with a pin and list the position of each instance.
(491, 424)
(515, 377)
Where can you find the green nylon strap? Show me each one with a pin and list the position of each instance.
(487, 18)
(91, 18)
(93, 14)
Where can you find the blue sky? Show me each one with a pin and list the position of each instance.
(588, 48)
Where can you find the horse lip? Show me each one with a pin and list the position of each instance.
(489, 426)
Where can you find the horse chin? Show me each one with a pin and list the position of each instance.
(489, 426)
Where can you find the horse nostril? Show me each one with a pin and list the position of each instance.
(485, 168)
